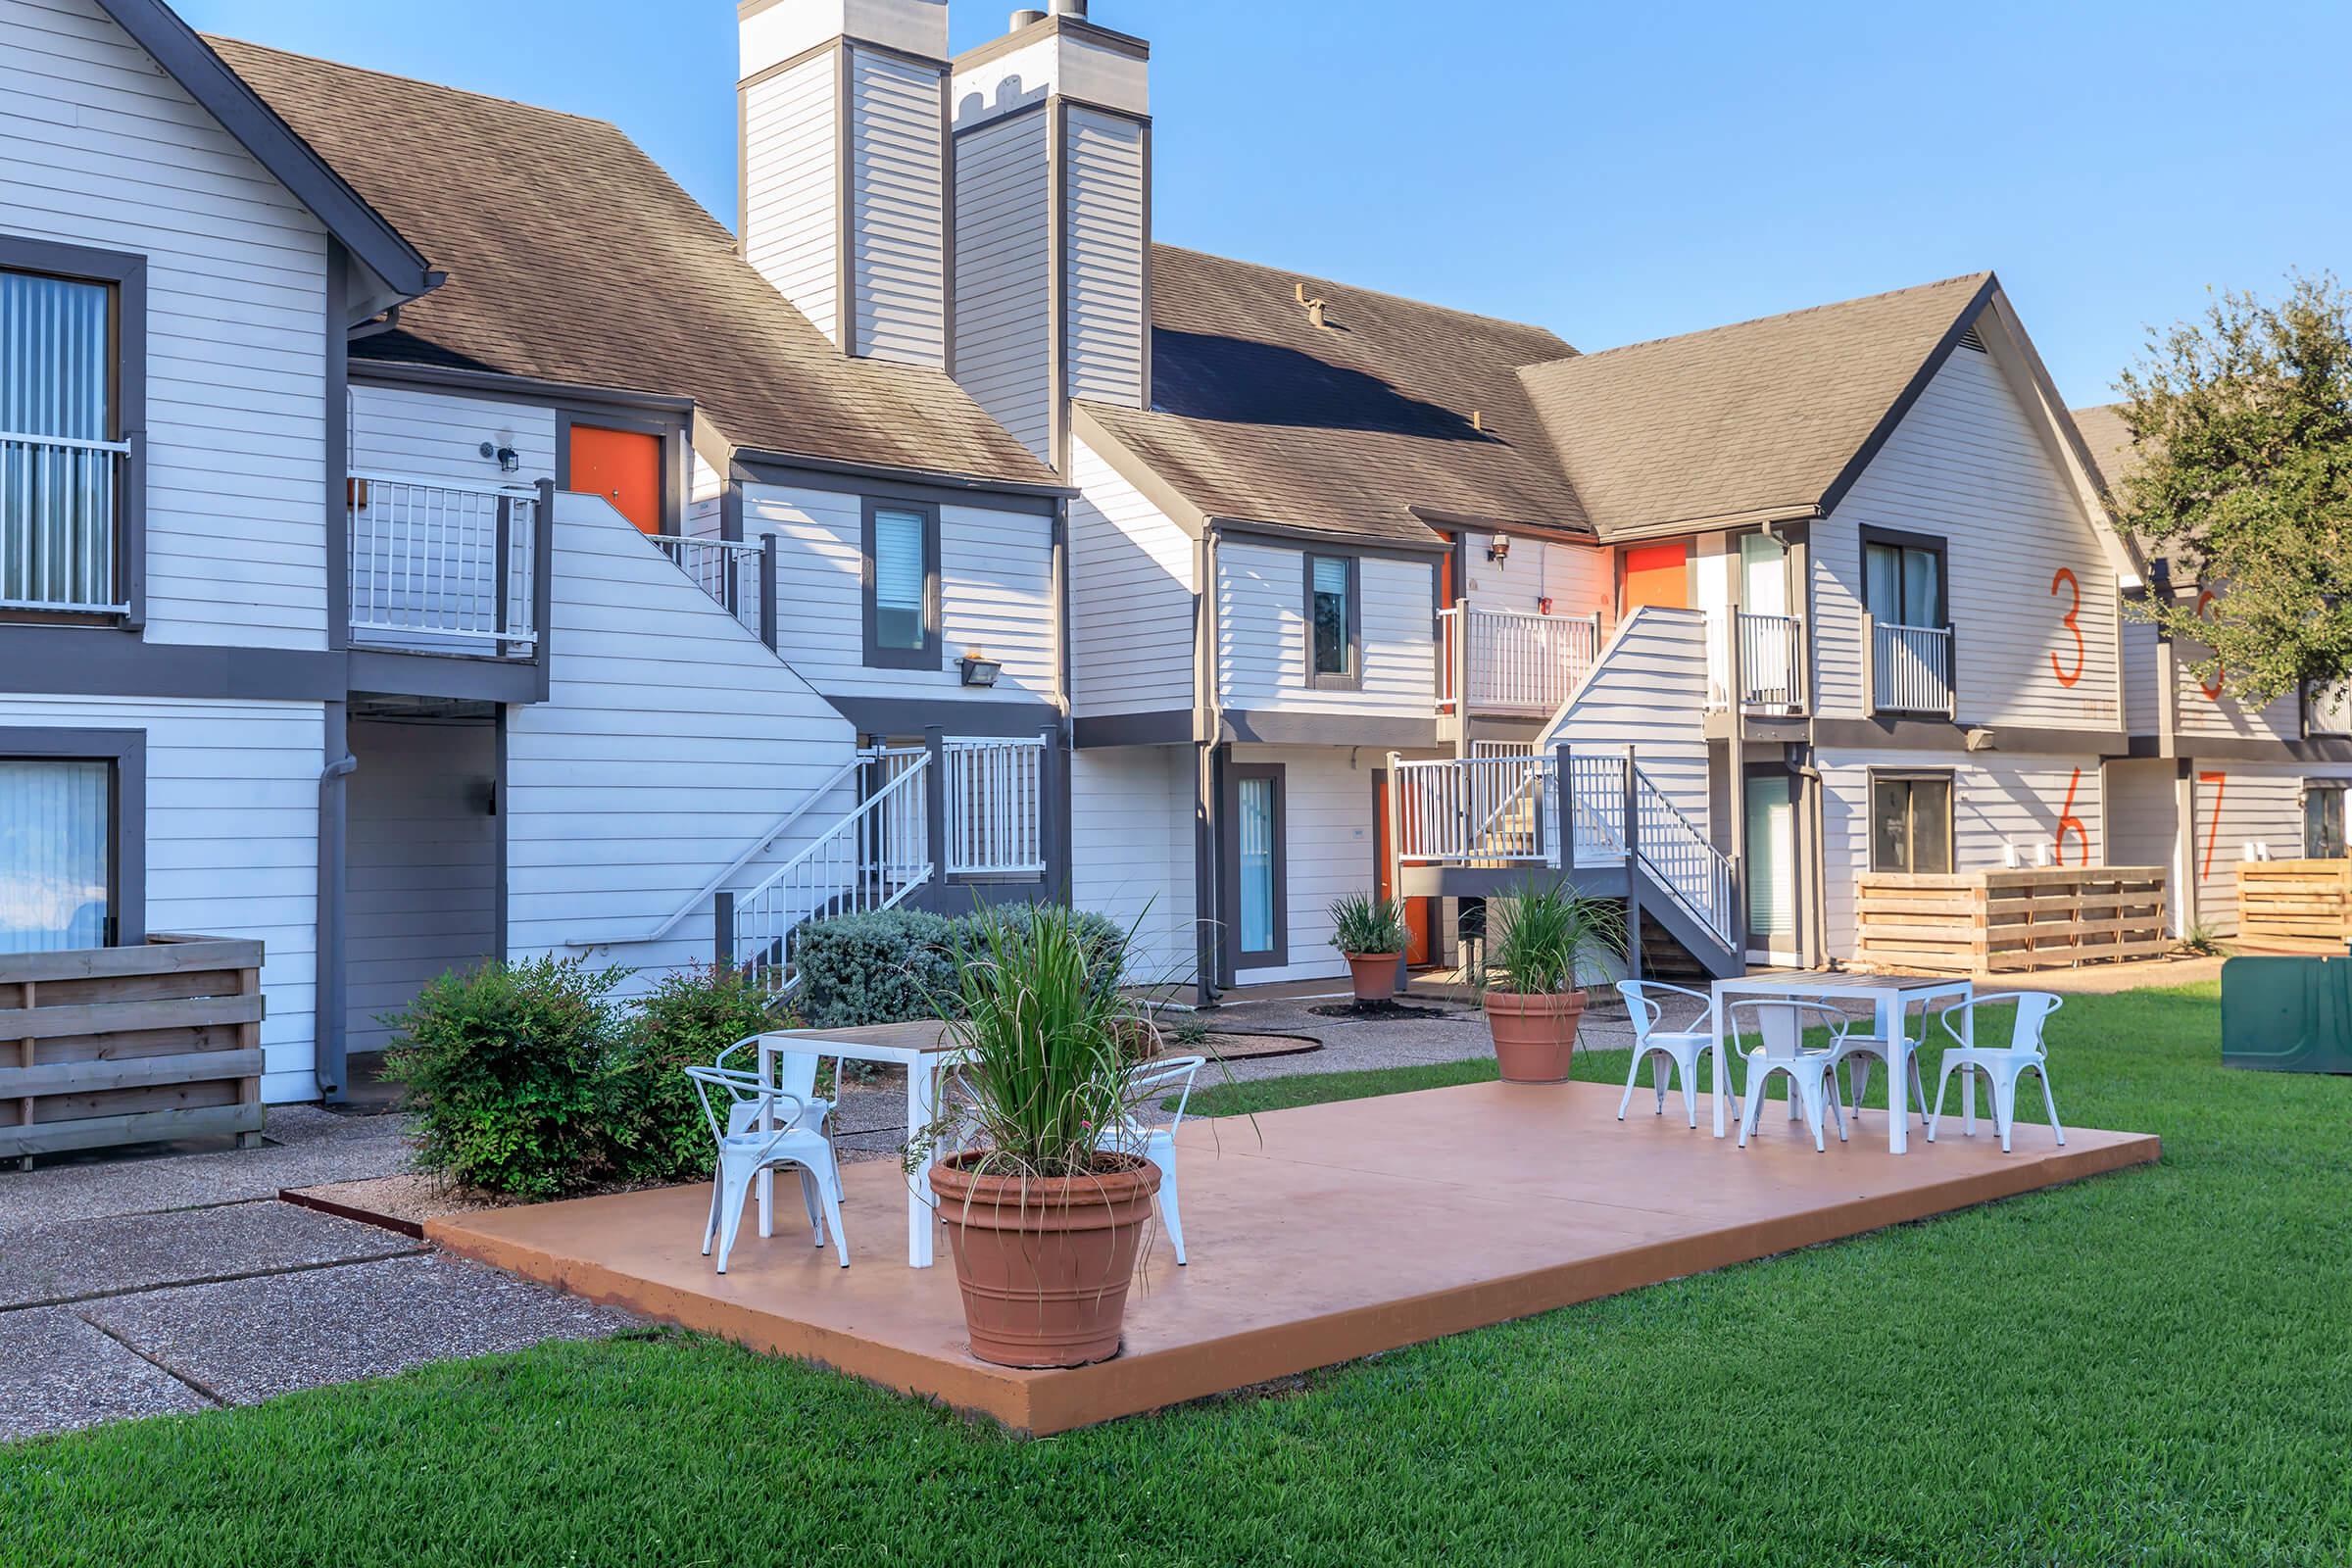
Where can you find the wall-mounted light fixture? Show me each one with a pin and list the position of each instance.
(502, 452)
(1498, 547)
(979, 671)
(1980, 740)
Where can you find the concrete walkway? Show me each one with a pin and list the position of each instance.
(133, 1287)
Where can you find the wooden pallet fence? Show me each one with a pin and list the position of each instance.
(106, 1046)
(2295, 905)
(2008, 923)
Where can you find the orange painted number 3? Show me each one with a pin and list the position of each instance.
(2211, 688)
(2068, 822)
(2067, 677)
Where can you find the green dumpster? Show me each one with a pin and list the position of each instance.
(2287, 1015)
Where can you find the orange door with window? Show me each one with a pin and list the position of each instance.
(1417, 920)
(1658, 574)
(624, 466)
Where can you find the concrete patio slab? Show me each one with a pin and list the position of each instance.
(84, 1258)
(57, 1373)
(251, 1340)
(1311, 1243)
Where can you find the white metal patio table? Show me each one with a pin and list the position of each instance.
(924, 1050)
(1889, 996)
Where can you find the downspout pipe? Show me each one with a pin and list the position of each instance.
(327, 1066)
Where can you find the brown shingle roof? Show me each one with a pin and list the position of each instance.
(2109, 441)
(572, 257)
(1257, 414)
(1762, 417)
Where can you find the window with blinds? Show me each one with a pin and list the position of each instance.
(56, 855)
(1331, 593)
(57, 460)
(901, 602)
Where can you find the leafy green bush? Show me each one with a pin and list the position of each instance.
(690, 1016)
(506, 1068)
(892, 966)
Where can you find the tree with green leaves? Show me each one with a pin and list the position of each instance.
(2242, 425)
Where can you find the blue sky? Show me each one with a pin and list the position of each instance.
(1614, 173)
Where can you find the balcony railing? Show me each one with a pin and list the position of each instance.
(439, 566)
(736, 575)
(1516, 662)
(1770, 661)
(995, 788)
(1910, 668)
(62, 501)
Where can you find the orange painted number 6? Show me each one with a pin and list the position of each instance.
(2066, 575)
(2068, 822)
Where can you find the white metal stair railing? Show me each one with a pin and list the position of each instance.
(872, 859)
(59, 498)
(729, 570)
(994, 791)
(1680, 857)
(1469, 810)
(437, 563)
(1597, 790)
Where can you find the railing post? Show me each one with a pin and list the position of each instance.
(1459, 653)
(1565, 827)
(1870, 663)
(934, 811)
(1633, 870)
(502, 555)
(1951, 671)
(722, 927)
(768, 590)
(1051, 791)
(543, 578)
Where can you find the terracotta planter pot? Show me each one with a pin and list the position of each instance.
(1535, 1037)
(1044, 1265)
(1375, 975)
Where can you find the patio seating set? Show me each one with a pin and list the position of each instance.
(1780, 1010)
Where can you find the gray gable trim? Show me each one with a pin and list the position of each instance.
(1965, 319)
(54, 660)
(906, 484)
(1123, 461)
(175, 46)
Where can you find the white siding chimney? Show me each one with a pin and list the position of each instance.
(844, 168)
(1053, 223)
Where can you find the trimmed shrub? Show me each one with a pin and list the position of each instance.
(506, 1069)
(892, 966)
(656, 1120)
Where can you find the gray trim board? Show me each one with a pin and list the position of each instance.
(125, 273)
(1171, 726)
(329, 1026)
(827, 473)
(127, 826)
(1148, 484)
(489, 680)
(298, 166)
(1285, 534)
(497, 806)
(877, 656)
(968, 719)
(1276, 727)
(1940, 735)
(1036, 32)
(1230, 860)
(845, 214)
(1351, 678)
(338, 446)
(2250, 749)
(94, 662)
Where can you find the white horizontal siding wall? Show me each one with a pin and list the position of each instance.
(1261, 634)
(670, 741)
(1647, 694)
(1131, 598)
(1328, 847)
(2207, 707)
(2141, 657)
(1104, 257)
(232, 840)
(899, 193)
(995, 594)
(99, 147)
(2142, 796)
(1131, 837)
(792, 192)
(1004, 277)
(1578, 579)
(1998, 805)
(439, 435)
(1966, 464)
(2241, 812)
(705, 501)
(421, 864)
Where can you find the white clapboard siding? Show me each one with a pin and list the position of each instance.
(2143, 810)
(1131, 597)
(995, 594)
(2141, 657)
(1004, 277)
(1261, 634)
(899, 209)
(1998, 803)
(1578, 579)
(2207, 707)
(439, 435)
(99, 147)
(1327, 847)
(705, 501)
(421, 860)
(232, 840)
(1966, 464)
(2243, 810)
(1104, 257)
(790, 199)
(1647, 692)
(1131, 837)
(670, 738)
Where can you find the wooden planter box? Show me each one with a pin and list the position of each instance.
(108, 1045)
(2295, 905)
(2007, 922)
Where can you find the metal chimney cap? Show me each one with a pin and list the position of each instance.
(1070, 8)
(1026, 18)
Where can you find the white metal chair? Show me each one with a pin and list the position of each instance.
(1857, 1052)
(1662, 1049)
(1781, 1026)
(1157, 1143)
(745, 1151)
(2001, 1066)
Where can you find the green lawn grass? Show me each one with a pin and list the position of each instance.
(2152, 1367)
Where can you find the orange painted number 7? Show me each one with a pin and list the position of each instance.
(2212, 824)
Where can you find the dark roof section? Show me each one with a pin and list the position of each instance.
(573, 257)
(2112, 446)
(1259, 416)
(276, 145)
(1772, 416)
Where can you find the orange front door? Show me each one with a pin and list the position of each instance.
(624, 466)
(1658, 574)
(1416, 911)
